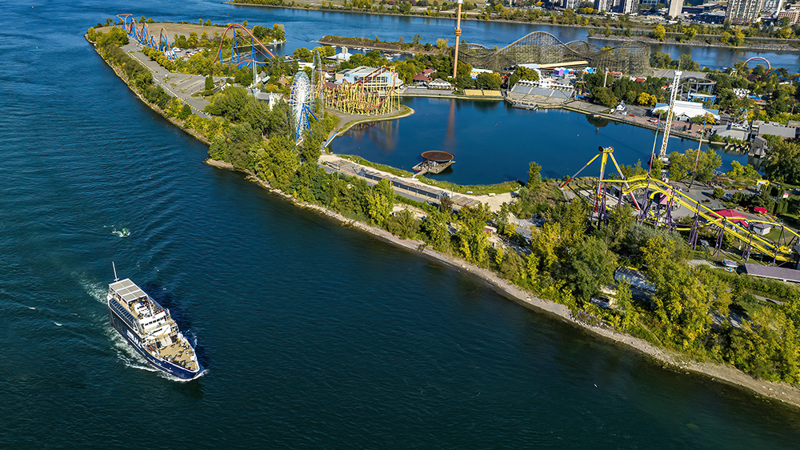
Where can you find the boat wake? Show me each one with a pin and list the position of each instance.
(124, 232)
(96, 291)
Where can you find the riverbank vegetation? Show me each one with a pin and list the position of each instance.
(783, 33)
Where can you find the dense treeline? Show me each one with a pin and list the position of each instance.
(109, 46)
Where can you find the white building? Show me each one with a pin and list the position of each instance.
(629, 7)
(604, 5)
(343, 56)
(379, 80)
(675, 8)
(685, 110)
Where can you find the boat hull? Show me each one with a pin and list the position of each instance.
(164, 366)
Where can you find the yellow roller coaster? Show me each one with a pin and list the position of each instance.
(758, 243)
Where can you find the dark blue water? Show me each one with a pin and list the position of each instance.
(493, 142)
(314, 335)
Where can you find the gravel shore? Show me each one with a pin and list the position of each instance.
(789, 395)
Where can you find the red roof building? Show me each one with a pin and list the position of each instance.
(733, 216)
(421, 77)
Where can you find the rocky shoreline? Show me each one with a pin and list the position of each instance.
(451, 16)
(784, 393)
(693, 43)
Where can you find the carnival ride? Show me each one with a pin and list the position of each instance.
(605, 152)
(541, 47)
(659, 198)
(670, 112)
(302, 103)
(242, 59)
(375, 93)
(769, 67)
(144, 37)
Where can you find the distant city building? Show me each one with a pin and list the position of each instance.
(571, 4)
(793, 13)
(604, 5)
(744, 12)
(772, 6)
(649, 3)
(675, 8)
(629, 6)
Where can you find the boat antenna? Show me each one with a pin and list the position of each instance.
(115, 271)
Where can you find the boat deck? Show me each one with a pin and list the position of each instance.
(179, 354)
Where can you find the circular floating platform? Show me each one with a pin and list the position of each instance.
(438, 156)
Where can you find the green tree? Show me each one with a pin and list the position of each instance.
(686, 63)
(534, 175)
(435, 227)
(604, 96)
(379, 202)
(589, 265)
(276, 161)
(490, 81)
(403, 224)
(659, 32)
(302, 53)
(209, 83)
(783, 162)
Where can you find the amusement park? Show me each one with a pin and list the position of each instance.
(313, 90)
(640, 248)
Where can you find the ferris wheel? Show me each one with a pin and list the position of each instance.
(302, 102)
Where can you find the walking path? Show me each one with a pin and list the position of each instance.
(178, 85)
(409, 187)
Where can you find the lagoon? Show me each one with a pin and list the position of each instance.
(493, 142)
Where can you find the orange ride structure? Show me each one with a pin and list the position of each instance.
(144, 37)
(243, 59)
(374, 94)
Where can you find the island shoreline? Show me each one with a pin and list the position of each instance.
(726, 374)
(452, 17)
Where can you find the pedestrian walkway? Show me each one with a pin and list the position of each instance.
(185, 86)
(408, 187)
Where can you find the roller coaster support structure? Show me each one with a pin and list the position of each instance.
(746, 252)
(695, 229)
(605, 152)
(720, 238)
(668, 125)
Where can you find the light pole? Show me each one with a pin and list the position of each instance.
(458, 34)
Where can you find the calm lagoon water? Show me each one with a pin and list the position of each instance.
(314, 335)
(493, 142)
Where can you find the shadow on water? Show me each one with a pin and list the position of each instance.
(597, 121)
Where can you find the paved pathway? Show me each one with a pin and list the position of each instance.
(177, 85)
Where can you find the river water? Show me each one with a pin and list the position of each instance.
(314, 335)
